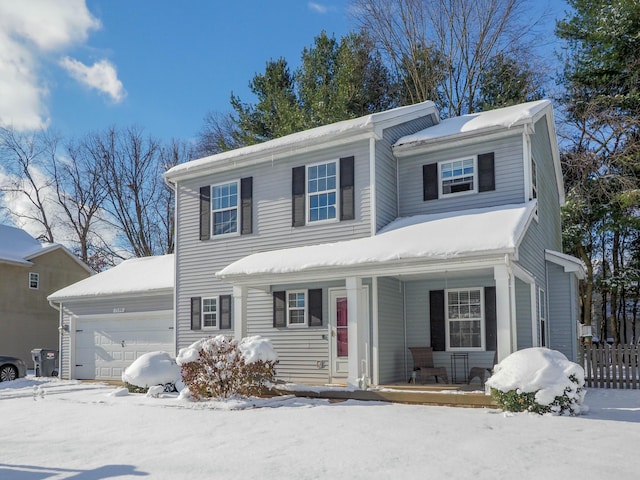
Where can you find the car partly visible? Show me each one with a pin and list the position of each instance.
(11, 368)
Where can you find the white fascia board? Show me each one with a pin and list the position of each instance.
(123, 316)
(18, 263)
(455, 140)
(519, 236)
(478, 260)
(91, 297)
(567, 262)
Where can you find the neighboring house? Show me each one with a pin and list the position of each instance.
(29, 271)
(109, 320)
(349, 243)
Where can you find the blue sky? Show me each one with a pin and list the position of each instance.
(159, 64)
(80, 65)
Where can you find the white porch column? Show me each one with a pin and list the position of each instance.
(355, 329)
(240, 312)
(503, 311)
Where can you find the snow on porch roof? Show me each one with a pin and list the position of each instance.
(452, 235)
(134, 276)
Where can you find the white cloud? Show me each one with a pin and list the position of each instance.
(101, 76)
(30, 31)
(317, 7)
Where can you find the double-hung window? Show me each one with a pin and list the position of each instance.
(458, 176)
(542, 315)
(296, 308)
(210, 313)
(322, 192)
(465, 319)
(34, 280)
(534, 179)
(225, 208)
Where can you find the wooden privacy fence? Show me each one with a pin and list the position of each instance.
(606, 366)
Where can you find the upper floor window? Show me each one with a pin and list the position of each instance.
(34, 280)
(465, 319)
(474, 174)
(225, 208)
(322, 191)
(458, 176)
(534, 179)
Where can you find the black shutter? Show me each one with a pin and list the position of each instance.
(246, 205)
(347, 194)
(436, 320)
(430, 181)
(205, 213)
(315, 308)
(225, 312)
(490, 318)
(279, 309)
(297, 196)
(486, 172)
(196, 322)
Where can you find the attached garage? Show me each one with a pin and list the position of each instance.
(109, 320)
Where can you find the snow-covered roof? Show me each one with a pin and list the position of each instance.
(502, 118)
(452, 235)
(16, 245)
(134, 276)
(319, 137)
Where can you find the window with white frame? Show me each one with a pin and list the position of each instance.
(322, 192)
(465, 319)
(458, 176)
(225, 208)
(210, 313)
(542, 315)
(534, 179)
(34, 280)
(296, 308)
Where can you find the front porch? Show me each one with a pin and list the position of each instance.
(469, 396)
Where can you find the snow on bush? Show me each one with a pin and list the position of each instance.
(222, 367)
(538, 380)
(151, 369)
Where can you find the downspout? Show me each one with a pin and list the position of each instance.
(404, 326)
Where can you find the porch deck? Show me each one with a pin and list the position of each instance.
(450, 395)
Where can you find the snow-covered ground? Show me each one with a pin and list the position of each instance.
(52, 429)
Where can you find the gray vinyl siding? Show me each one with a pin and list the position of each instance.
(391, 339)
(523, 315)
(387, 169)
(509, 178)
(198, 261)
(562, 316)
(418, 327)
(105, 306)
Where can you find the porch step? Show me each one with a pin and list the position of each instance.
(452, 397)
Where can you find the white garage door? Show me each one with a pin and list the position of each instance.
(107, 344)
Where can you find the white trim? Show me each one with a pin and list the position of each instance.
(307, 195)
(482, 319)
(373, 210)
(569, 263)
(124, 316)
(375, 332)
(543, 315)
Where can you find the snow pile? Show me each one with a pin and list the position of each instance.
(253, 349)
(556, 382)
(153, 368)
(256, 349)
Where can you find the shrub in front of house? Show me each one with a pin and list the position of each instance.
(151, 369)
(538, 380)
(222, 367)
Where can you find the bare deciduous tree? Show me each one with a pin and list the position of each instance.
(441, 48)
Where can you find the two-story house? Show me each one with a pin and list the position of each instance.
(29, 271)
(349, 243)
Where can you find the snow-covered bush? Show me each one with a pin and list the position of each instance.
(222, 367)
(538, 380)
(153, 368)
